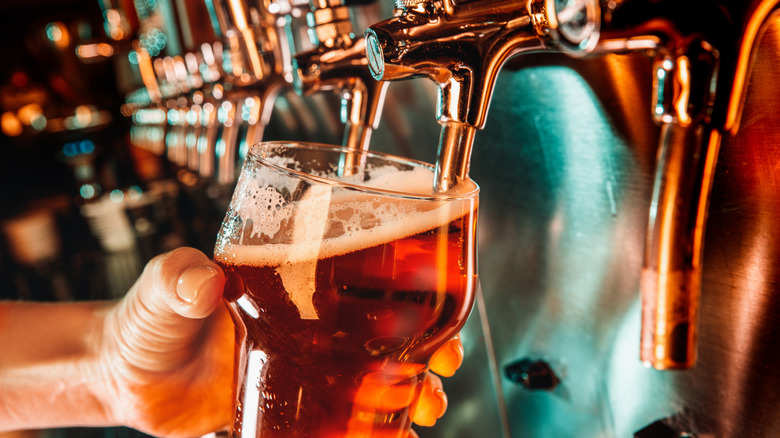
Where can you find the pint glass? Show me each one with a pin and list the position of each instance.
(342, 281)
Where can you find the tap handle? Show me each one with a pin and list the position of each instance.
(671, 271)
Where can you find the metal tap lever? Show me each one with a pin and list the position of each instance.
(462, 47)
(253, 39)
(259, 58)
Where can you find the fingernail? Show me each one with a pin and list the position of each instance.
(192, 280)
(447, 359)
(442, 396)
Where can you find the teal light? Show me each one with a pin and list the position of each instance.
(117, 196)
(220, 148)
(53, 32)
(87, 191)
(173, 117)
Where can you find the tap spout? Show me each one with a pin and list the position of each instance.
(344, 69)
(463, 47)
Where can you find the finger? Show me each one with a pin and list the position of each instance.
(184, 281)
(390, 389)
(432, 402)
(448, 358)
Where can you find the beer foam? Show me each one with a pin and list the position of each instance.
(364, 219)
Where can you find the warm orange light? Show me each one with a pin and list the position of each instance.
(684, 93)
(114, 24)
(87, 51)
(147, 70)
(84, 115)
(752, 29)
(10, 124)
(29, 112)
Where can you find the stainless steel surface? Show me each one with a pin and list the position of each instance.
(562, 243)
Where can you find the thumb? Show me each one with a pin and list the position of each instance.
(183, 281)
(155, 325)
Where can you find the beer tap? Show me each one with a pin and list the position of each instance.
(702, 51)
(461, 46)
(338, 62)
(258, 60)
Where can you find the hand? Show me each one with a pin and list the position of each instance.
(168, 352)
(433, 401)
(168, 349)
(392, 387)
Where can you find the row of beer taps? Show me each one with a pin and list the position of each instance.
(701, 51)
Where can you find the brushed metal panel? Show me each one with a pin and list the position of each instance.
(565, 165)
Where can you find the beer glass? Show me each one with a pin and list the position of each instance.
(345, 272)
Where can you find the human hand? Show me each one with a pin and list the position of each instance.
(433, 401)
(392, 387)
(168, 349)
(168, 353)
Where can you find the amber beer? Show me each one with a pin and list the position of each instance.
(381, 310)
(340, 295)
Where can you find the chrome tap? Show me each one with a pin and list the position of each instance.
(462, 47)
(257, 69)
(338, 62)
(701, 52)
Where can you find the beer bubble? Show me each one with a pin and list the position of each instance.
(369, 221)
(345, 213)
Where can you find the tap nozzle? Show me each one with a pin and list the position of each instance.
(462, 47)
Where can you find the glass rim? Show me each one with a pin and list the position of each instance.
(255, 155)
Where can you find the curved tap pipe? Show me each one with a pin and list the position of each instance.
(671, 272)
(462, 47)
(344, 70)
